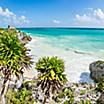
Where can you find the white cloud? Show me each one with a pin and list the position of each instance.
(92, 18)
(56, 21)
(99, 14)
(6, 12)
(8, 17)
(23, 19)
(83, 18)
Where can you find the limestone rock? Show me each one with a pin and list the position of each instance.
(96, 70)
(101, 99)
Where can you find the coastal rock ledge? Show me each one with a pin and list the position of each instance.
(101, 99)
(97, 70)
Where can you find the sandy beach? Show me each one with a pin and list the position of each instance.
(76, 63)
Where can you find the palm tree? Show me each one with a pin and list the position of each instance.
(50, 77)
(13, 58)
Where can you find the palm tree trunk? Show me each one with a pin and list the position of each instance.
(4, 91)
(19, 82)
(44, 100)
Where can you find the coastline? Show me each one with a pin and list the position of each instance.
(77, 72)
(76, 62)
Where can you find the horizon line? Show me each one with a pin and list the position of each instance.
(65, 27)
(60, 27)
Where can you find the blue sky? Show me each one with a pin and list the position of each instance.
(52, 13)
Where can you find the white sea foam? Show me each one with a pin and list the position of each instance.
(76, 61)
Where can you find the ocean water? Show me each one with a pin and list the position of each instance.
(80, 39)
(77, 47)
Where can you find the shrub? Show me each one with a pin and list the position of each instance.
(50, 77)
(14, 57)
(100, 85)
(22, 96)
(66, 96)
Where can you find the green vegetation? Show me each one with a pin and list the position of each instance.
(100, 88)
(50, 77)
(13, 57)
(98, 63)
(22, 96)
(85, 101)
(100, 85)
(82, 92)
(1, 30)
(66, 93)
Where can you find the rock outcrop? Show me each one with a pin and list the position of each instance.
(97, 70)
(23, 37)
(101, 99)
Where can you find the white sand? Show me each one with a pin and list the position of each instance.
(76, 64)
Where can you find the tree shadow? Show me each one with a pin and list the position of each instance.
(85, 77)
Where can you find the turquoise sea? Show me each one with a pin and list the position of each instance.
(78, 47)
(82, 39)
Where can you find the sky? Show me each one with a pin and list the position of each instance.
(52, 13)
